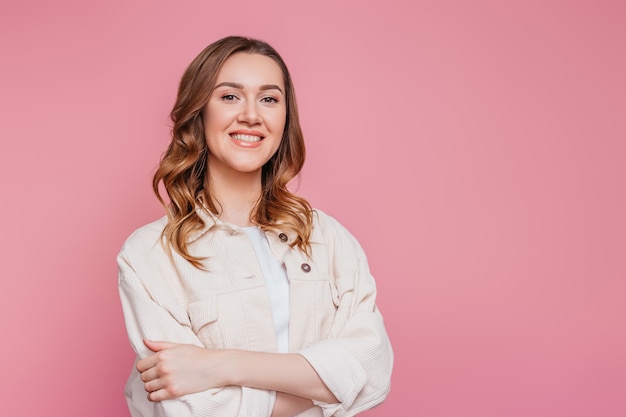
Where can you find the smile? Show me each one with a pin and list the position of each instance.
(246, 138)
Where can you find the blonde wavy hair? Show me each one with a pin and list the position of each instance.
(183, 167)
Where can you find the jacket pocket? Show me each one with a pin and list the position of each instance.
(179, 313)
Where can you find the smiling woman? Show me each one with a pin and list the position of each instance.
(242, 300)
(245, 117)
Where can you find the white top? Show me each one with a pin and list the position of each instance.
(275, 277)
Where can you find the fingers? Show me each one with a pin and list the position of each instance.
(154, 385)
(147, 363)
(167, 372)
(149, 375)
(157, 382)
(161, 395)
(157, 346)
(153, 360)
(159, 387)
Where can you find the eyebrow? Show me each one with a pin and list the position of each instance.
(240, 86)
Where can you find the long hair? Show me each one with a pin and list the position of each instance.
(183, 167)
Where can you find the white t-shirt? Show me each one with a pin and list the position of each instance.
(275, 277)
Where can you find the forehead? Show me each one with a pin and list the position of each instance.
(250, 70)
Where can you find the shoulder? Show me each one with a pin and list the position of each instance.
(326, 223)
(345, 254)
(330, 231)
(145, 239)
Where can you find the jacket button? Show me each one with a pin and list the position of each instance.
(306, 267)
(283, 237)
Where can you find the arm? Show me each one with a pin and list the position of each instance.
(287, 405)
(289, 373)
(353, 364)
(351, 367)
(178, 369)
(356, 359)
(146, 319)
(181, 373)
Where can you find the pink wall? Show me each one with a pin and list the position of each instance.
(477, 151)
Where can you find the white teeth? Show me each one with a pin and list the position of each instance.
(245, 138)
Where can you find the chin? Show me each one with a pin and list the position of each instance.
(247, 169)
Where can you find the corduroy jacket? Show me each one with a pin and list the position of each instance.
(334, 322)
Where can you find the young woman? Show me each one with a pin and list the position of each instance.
(244, 301)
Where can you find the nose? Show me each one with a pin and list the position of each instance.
(249, 112)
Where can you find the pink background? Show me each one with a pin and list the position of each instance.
(477, 149)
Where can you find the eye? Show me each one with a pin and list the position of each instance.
(229, 97)
(269, 100)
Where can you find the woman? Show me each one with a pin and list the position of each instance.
(243, 301)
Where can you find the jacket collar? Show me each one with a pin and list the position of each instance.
(212, 221)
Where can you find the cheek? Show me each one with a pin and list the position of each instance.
(279, 121)
(218, 118)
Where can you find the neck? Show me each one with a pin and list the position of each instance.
(235, 195)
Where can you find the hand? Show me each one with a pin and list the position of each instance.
(177, 369)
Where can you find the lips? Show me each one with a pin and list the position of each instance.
(247, 138)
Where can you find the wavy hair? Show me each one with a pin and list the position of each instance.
(183, 167)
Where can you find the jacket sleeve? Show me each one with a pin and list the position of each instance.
(145, 319)
(356, 361)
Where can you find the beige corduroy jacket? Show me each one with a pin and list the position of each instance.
(334, 322)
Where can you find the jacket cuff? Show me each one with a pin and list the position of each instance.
(339, 370)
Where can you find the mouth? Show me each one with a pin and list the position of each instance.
(247, 137)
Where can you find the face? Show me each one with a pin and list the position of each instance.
(245, 116)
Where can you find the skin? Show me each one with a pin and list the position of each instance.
(248, 99)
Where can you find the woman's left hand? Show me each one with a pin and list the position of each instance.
(174, 370)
